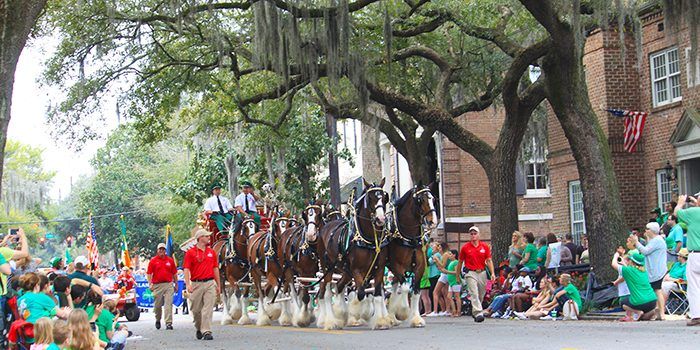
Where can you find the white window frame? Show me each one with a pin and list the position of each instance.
(666, 77)
(536, 192)
(571, 186)
(688, 71)
(662, 183)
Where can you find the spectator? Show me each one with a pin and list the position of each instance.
(78, 294)
(56, 268)
(43, 334)
(62, 290)
(655, 253)
(567, 257)
(106, 283)
(623, 292)
(663, 223)
(441, 288)
(82, 272)
(574, 248)
(541, 251)
(572, 306)
(81, 336)
(691, 217)
(583, 251)
(522, 294)
(515, 250)
(36, 303)
(61, 333)
(434, 255)
(454, 303)
(676, 274)
(674, 239)
(109, 331)
(476, 257)
(499, 302)
(542, 304)
(553, 252)
(642, 301)
(529, 260)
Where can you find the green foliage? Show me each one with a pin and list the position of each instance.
(26, 161)
(205, 170)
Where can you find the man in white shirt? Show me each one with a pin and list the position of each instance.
(245, 203)
(219, 209)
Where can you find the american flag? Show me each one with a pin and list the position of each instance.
(634, 126)
(91, 243)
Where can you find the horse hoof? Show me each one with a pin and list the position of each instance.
(244, 320)
(226, 321)
(417, 322)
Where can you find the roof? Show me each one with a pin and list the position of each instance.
(690, 118)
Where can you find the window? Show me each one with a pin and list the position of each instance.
(665, 77)
(536, 169)
(692, 81)
(663, 188)
(578, 219)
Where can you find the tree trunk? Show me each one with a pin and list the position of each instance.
(268, 165)
(17, 18)
(305, 183)
(333, 172)
(232, 174)
(504, 202)
(568, 95)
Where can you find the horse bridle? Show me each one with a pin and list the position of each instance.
(363, 198)
(417, 197)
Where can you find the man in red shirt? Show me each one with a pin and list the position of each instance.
(475, 256)
(162, 279)
(203, 283)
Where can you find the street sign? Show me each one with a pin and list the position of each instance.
(49, 235)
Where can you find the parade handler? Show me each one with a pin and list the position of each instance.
(162, 280)
(219, 209)
(203, 283)
(245, 204)
(476, 256)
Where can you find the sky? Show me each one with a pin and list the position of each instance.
(28, 120)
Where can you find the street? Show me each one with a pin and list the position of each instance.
(440, 333)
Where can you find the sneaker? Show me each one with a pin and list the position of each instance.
(520, 315)
(693, 322)
(496, 315)
(432, 314)
(199, 335)
(479, 318)
(169, 327)
(547, 318)
(506, 315)
(444, 313)
(207, 336)
(157, 324)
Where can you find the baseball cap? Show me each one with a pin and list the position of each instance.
(473, 228)
(637, 258)
(56, 261)
(81, 260)
(201, 232)
(653, 227)
(656, 210)
(683, 252)
(161, 245)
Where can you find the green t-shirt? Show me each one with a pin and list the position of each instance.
(691, 217)
(675, 235)
(104, 322)
(34, 306)
(573, 294)
(452, 279)
(638, 284)
(6, 255)
(532, 260)
(542, 255)
(677, 270)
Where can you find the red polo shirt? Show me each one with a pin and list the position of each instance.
(474, 257)
(201, 263)
(162, 269)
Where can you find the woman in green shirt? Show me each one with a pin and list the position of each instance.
(530, 253)
(515, 251)
(642, 301)
(676, 274)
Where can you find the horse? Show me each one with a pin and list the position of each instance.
(264, 261)
(298, 250)
(413, 217)
(330, 213)
(234, 266)
(356, 249)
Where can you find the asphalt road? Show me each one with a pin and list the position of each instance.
(439, 333)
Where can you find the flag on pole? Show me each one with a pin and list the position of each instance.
(169, 243)
(126, 260)
(634, 126)
(91, 243)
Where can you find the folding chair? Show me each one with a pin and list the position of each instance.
(677, 303)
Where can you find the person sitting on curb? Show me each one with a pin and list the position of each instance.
(573, 305)
(642, 301)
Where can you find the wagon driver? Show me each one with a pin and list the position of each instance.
(245, 204)
(219, 209)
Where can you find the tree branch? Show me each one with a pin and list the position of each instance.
(280, 119)
(483, 102)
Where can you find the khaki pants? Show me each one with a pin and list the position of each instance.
(163, 294)
(476, 285)
(693, 274)
(202, 301)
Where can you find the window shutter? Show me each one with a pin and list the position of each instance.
(520, 184)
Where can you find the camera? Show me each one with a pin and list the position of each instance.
(12, 231)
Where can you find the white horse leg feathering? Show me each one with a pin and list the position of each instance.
(416, 320)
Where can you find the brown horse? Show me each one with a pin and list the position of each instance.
(413, 217)
(233, 264)
(299, 254)
(264, 261)
(356, 250)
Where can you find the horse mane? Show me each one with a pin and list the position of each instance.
(404, 199)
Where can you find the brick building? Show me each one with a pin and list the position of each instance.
(661, 83)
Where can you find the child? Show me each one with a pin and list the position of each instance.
(571, 307)
(454, 303)
(61, 289)
(81, 336)
(43, 334)
(61, 333)
(35, 302)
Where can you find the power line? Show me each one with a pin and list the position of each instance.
(71, 219)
